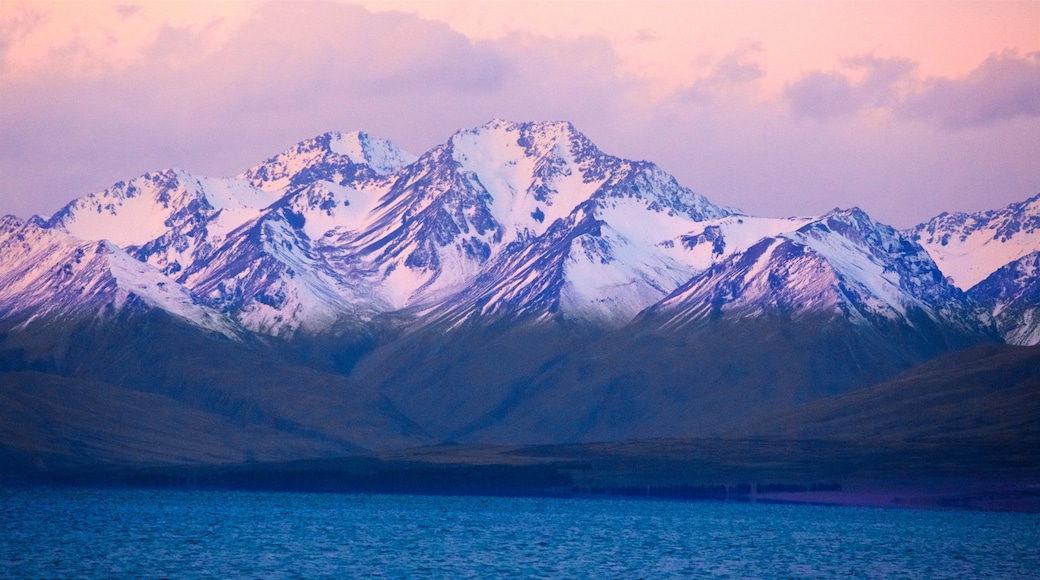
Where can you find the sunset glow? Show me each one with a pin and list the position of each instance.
(927, 102)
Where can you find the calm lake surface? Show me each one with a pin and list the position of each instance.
(86, 533)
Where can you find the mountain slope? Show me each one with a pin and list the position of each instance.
(172, 210)
(213, 389)
(841, 266)
(467, 210)
(989, 254)
(1012, 293)
(50, 422)
(839, 303)
(970, 247)
(189, 226)
(987, 393)
(546, 381)
(46, 273)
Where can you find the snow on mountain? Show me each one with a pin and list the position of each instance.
(842, 264)
(326, 208)
(143, 209)
(970, 247)
(46, 272)
(270, 277)
(168, 219)
(1013, 294)
(179, 223)
(370, 229)
(462, 203)
(456, 226)
(512, 219)
(607, 262)
(339, 158)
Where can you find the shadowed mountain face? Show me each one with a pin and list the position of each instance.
(512, 285)
(553, 382)
(988, 394)
(143, 386)
(1012, 293)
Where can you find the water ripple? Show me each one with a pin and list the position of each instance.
(46, 533)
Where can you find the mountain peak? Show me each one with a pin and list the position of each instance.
(843, 263)
(503, 217)
(363, 149)
(968, 247)
(133, 212)
(10, 223)
(852, 223)
(337, 157)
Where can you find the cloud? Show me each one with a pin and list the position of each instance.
(291, 71)
(128, 10)
(826, 95)
(644, 35)
(1005, 86)
(823, 95)
(17, 22)
(734, 72)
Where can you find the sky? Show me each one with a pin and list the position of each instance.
(902, 108)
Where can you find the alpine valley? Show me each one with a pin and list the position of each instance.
(512, 286)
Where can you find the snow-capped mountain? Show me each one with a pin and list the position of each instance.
(509, 206)
(506, 219)
(970, 247)
(271, 278)
(989, 254)
(513, 284)
(47, 273)
(842, 265)
(346, 226)
(236, 240)
(334, 157)
(467, 208)
(1013, 295)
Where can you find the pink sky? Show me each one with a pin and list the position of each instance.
(903, 108)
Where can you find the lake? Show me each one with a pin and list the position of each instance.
(106, 533)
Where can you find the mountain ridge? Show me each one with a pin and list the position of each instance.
(514, 284)
(315, 237)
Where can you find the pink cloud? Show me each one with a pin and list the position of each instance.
(731, 73)
(824, 95)
(293, 71)
(1004, 87)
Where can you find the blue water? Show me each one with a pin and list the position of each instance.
(80, 533)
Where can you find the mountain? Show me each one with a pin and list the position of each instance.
(144, 386)
(970, 247)
(334, 157)
(46, 273)
(514, 284)
(983, 394)
(229, 239)
(341, 228)
(466, 211)
(508, 219)
(988, 254)
(843, 265)
(1012, 293)
(830, 306)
